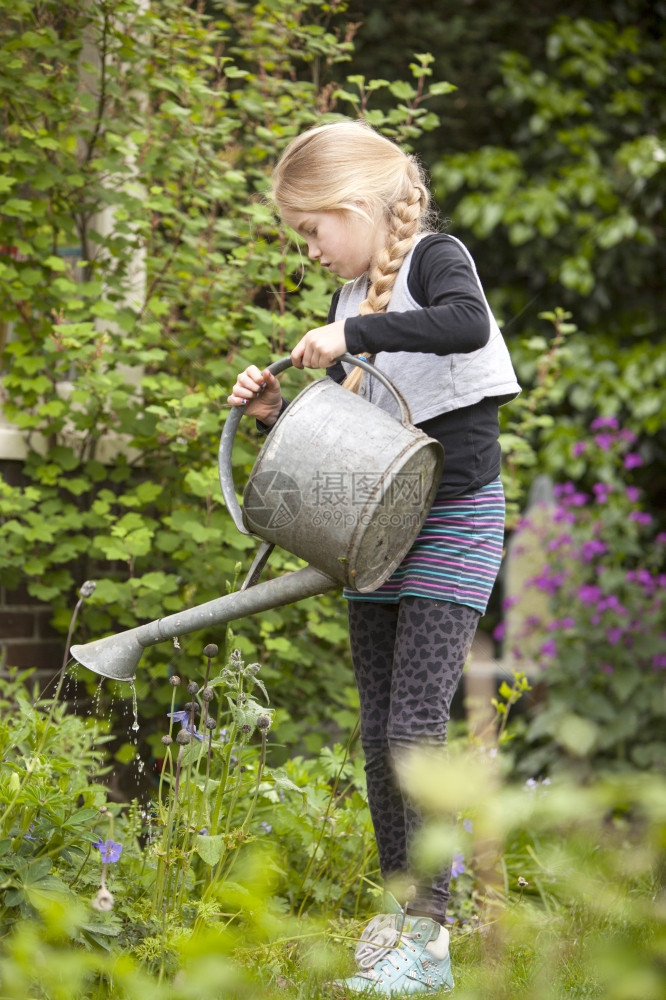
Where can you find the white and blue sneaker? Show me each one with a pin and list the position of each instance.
(398, 956)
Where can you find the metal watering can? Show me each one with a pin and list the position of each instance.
(339, 483)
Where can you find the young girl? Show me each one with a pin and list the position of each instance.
(412, 303)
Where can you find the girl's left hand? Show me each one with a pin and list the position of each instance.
(320, 347)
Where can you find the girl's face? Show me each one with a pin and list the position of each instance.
(343, 242)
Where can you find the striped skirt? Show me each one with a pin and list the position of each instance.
(457, 555)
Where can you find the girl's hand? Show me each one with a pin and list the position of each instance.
(320, 347)
(259, 392)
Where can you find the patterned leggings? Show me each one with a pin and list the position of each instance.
(408, 659)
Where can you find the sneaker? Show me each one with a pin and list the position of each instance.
(399, 958)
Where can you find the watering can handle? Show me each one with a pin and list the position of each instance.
(232, 421)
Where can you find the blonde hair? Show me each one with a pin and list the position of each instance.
(347, 166)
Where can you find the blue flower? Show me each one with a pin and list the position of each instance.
(458, 865)
(109, 850)
(183, 716)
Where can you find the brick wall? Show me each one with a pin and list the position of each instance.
(26, 637)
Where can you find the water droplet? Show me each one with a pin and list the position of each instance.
(135, 708)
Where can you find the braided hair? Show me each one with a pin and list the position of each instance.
(348, 166)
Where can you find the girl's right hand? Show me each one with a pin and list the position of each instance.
(259, 392)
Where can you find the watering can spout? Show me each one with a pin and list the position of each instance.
(117, 656)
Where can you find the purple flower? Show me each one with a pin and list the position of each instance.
(266, 827)
(558, 543)
(661, 538)
(468, 826)
(183, 716)
(563, 516)
(606, 668)
(611, 603)
(592, 548)
(458, 865)
(499, 632)
(614, 635)
(632, 460)
(563, 489)
(659, 662)
(578, 448)
(559, 623)
(589, 594)
(601, 492)
(640, 518)
(604, 441)
(633, 494)
(109, 850)
(578, 499)
(549, 648)
(600, 422)
(548, 581)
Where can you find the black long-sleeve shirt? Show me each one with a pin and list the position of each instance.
(453, 319)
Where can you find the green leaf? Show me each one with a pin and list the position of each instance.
(210, 849)
(402, 90)
(55, 263)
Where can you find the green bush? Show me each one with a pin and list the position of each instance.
(141, 268)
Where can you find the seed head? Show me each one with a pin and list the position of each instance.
(208, 694)
(167, 740)
(210, 723)
(184, 737)
(192, 687)
(87, 588)
(246, 728)
(103, 901)
(174, 680)
(189, 705)
(210, 650)
(263, 722)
